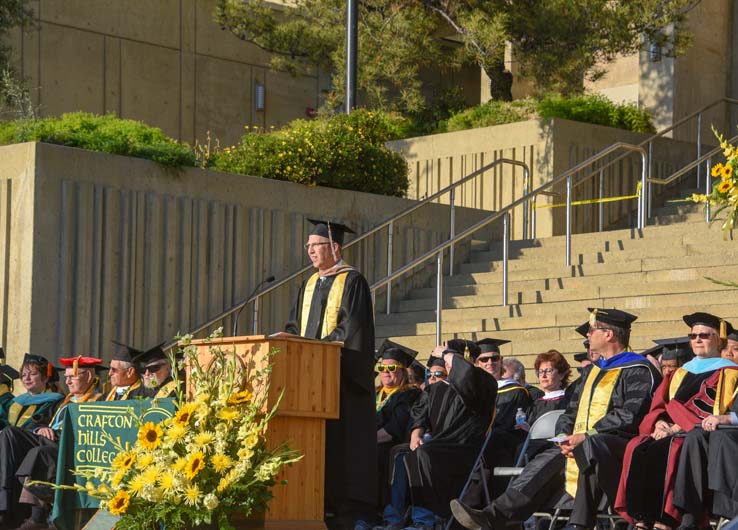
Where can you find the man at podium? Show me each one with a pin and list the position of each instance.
(335, 304)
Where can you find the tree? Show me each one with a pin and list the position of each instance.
(14, 97)
(558, 42)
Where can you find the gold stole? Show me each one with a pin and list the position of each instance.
(332, 306)
(15, 417)
(593, 405)
(727, 387)
(165, 390)
(509, 388)
(91, 394)
(134, 386)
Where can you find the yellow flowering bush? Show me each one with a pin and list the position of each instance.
(724, 196)
(209, 460)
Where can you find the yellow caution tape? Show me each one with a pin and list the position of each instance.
(592, 201)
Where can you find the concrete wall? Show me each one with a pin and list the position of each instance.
(548, 147)
(100, 247)
(164, 62)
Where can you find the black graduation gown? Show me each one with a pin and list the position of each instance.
(599, 457)
(539, 408)
(506, 439)
(457, 413)
(534, 392)
(393, 417)
(348, 480)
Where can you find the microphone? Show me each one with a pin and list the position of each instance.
(270, 279)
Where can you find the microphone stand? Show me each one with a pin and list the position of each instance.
(270, 279)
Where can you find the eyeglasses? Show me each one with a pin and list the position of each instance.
(308, 246)
(490, 359)
(545, 371)
(592, 329)
(703, 336)
(153, 367)
(436, 373)
(391, 368)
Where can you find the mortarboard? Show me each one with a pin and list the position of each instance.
(675, 348)
(462, 346)
(43, 364)
(152, 354)
(124, 353)
(333, 231)
(490, 345)
(579, 357)
(6, 371)
(583, 329)
(435, 361)
(398, 352)
(732, 332)
(614, 317)
(711, 321)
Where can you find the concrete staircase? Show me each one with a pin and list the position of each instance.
(657, 273)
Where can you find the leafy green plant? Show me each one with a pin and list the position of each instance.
(108, 134)
(598, 110)
(492, 113)
(340, 151)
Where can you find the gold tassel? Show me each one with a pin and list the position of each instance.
(593, 318)
(75, 365)
(723, 329)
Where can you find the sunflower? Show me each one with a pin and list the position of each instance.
(195, 464)
(119, 504)
(228, 414)
(726, 172)
(192, 495)
(725, 186)
(221, 462)
(149, 435)
(124, 461)
(184, 414)
(239, 398)
(717, 170)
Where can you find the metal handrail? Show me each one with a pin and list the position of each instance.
(706, 158)
(504, 213)
(387, 223)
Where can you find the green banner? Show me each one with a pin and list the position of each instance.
(84, 446)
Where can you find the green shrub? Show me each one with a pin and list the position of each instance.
(341, 151)
(598, 110)
(492, 113)
(108, 134)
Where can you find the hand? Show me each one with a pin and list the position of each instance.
(416, 439)
(46, 432)
(523, 426)
(711, 422)
(438, 352)
(572, 441)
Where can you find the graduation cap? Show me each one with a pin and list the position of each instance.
(7, 372)
(81, 362)
(333, 231)
(43, 364)
(462, 346)
(583, 329)
(398, 352)
(614, 317)
(489, 345)
(124, 353)
(676, 348)
(732, 332)
(579, 357)
(435, 361)
(711, 321)
(151, 355)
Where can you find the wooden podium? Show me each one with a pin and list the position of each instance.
(309, 372)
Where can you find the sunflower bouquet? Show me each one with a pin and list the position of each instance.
(724, 194)
(207, 462)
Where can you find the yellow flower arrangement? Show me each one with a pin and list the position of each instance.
(209, 460)
(724, 196)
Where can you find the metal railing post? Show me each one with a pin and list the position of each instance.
(601, 205)
(568, 220)
(642, 199)
(533, 218)
(699, 146)
(390, 231)
(453, 233)
(505, 254)
(526, 204)
(439, 295)
(255, 321)
(650, 189)
(707, 189)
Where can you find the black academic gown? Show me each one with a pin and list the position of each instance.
(506, 439)
(457, 413)
(540, 407)
(349, 481)
(394, 417)
(599, 457)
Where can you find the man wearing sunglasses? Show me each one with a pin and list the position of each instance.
(436, 371)
(603, 414)
(335, 304)
(156, 371)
